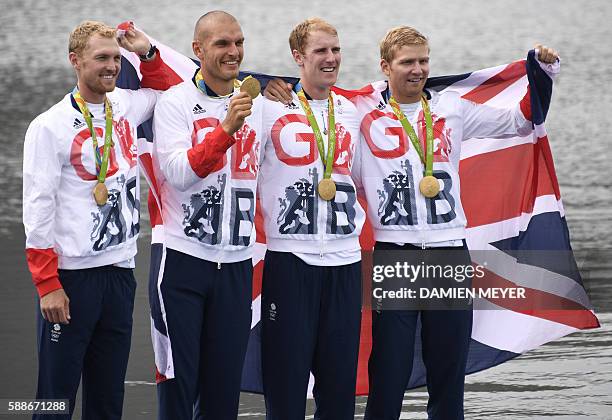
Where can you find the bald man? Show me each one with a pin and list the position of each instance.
(206, 153)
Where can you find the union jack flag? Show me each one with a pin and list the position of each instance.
(522, 212)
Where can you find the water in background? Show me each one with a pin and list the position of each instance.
(464, 36)
(569, 377)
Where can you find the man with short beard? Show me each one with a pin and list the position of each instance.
(311, 292)
(205, 156)
(81, 216)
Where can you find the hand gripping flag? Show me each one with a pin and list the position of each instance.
(522, 212)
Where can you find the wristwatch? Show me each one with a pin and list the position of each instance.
(149, 55)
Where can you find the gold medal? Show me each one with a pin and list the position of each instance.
(327, 189)
(429, 186)
(251, 86)
(100, 193)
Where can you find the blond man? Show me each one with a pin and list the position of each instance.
(420, 215)
(80, 212)
(311, 294)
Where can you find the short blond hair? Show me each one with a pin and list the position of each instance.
(399, 37)
(85, 30)
(299, 35)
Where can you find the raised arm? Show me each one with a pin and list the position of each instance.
(482, 120)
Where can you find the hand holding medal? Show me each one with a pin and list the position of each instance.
(327, 187)
(429, 185)
(240, 105)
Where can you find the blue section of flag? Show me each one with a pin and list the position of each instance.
(439, 83)
(252, 379)
(541, 89)
(128, 77)
(154, 303)
(546, 232)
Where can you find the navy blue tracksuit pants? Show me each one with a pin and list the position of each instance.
(208, 313)
(311, 317)
(445, 337)
(94, 346)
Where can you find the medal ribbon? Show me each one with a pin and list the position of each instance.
(101, 161)
(427, 160)
(199, 81)
(327, 159)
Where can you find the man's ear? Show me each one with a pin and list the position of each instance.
(74, 60)
(196, 48)
(385, 67)
(298, 58)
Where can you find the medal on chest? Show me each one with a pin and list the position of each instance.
(429, 185)
(327, 186)
(100, 191)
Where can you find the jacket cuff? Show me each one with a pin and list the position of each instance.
(48, 286)
(43, 264)
(151, 65)
(206, 156)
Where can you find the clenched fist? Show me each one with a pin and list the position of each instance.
(546, 55)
